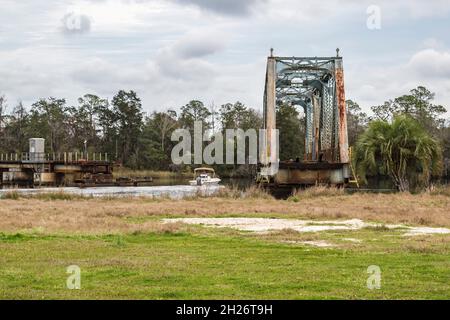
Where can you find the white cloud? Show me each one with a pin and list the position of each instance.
(433, 43)
(374, 84)
(431, 63)
(174, 51)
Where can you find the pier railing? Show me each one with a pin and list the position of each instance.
(66, 157)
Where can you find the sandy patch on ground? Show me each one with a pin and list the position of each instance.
(318, 243)
(267, 225)
(414, 231)
(352, 240)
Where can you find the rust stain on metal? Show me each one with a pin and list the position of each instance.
(270, 113)
(321, 93)
(343, 136)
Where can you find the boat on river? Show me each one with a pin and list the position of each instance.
(204, 176)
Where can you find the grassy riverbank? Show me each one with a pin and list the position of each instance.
(125, 251)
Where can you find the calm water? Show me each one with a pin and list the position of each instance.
(168, 187)
(240, 183)
(173, 191)
(179, 187)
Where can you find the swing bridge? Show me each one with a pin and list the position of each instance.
(315, 84)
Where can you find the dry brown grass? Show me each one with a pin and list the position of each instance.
(100, 216)
(438, 190)
(125, 172)
(318, 191)
(252, 192)
(76, 217)
(426, 245)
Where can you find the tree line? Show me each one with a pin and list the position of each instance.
(407, 139)
(139, 140)
(119, 126)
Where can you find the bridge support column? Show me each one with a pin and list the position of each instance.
(342, 112)
(269, 148)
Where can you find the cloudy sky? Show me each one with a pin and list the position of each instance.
(172, 51)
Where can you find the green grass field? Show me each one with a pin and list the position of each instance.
(124, 250)
(202, 263)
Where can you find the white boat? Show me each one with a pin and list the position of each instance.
(204, 176)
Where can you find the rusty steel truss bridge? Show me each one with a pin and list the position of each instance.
(315, 84)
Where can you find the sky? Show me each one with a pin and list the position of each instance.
(174, 51)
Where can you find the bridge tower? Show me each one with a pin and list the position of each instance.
(315, 84)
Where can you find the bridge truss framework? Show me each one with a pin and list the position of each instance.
(317, 85)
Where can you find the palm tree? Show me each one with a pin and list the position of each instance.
(401, 149)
